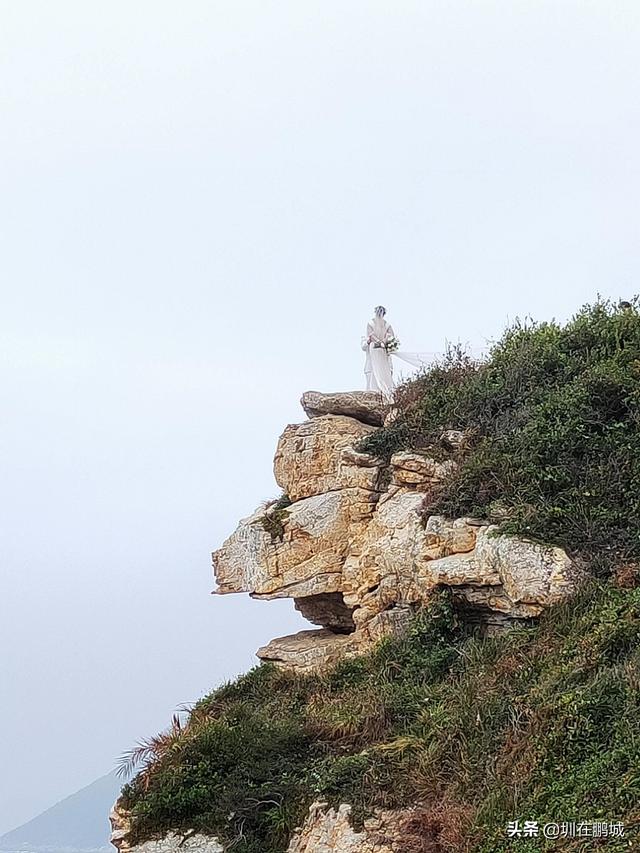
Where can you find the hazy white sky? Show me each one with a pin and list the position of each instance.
(201, 203)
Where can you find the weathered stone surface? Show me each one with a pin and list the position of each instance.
(328, 610)
(400, 562)
(307, 560)
(444, 537)
(395, 548)
(120, 820)
(366, 406)
(532, 574)
(453, 439)
(356, 555)
(170, 843)
(392, 621)
(485, 601)
(519, 577)
(416, 471)
(310, 458)
(391, 416)
(174, 843)
(380, 574)
(309, 651)
(328, 830)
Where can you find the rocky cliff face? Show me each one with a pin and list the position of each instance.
(170, 843)
(350, 548)
(353, 552)
(330, 831)
(325, 830)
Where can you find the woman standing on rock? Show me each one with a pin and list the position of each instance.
(380, 343)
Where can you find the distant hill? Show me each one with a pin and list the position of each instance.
(77, 824)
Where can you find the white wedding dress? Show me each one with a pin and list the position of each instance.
(378, 368)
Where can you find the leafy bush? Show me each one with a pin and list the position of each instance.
(551, 419)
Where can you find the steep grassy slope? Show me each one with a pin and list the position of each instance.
(541, 723)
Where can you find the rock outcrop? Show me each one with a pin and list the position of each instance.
(368, 407)
(308, 651)
(353, 552)
(321, 465)
(172, 842)
(328, 830)
(349, 544)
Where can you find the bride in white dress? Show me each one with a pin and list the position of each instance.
(378, 369)
(380, 344)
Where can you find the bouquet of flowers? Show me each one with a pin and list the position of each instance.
(392, 345)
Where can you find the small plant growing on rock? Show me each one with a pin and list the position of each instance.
(275, 515)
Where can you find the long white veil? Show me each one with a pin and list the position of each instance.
(426, 359)
(416, 359)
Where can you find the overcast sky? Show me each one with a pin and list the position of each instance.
(201, 203)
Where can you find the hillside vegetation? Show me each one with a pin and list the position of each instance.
(539, 723)
(551, 419)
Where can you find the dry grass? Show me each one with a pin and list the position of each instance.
(442, 827)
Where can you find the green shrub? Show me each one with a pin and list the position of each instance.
(274, 517)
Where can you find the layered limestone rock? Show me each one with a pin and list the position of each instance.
(354, 553)
(496, 579)
(320, 464)
(328, 830)
(368, 407)
(309, 651)
(416, 471)
(174, 843)
(302, 560)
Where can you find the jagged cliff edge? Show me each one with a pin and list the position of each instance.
(353, 553)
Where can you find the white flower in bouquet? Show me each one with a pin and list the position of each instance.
(392, 345)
